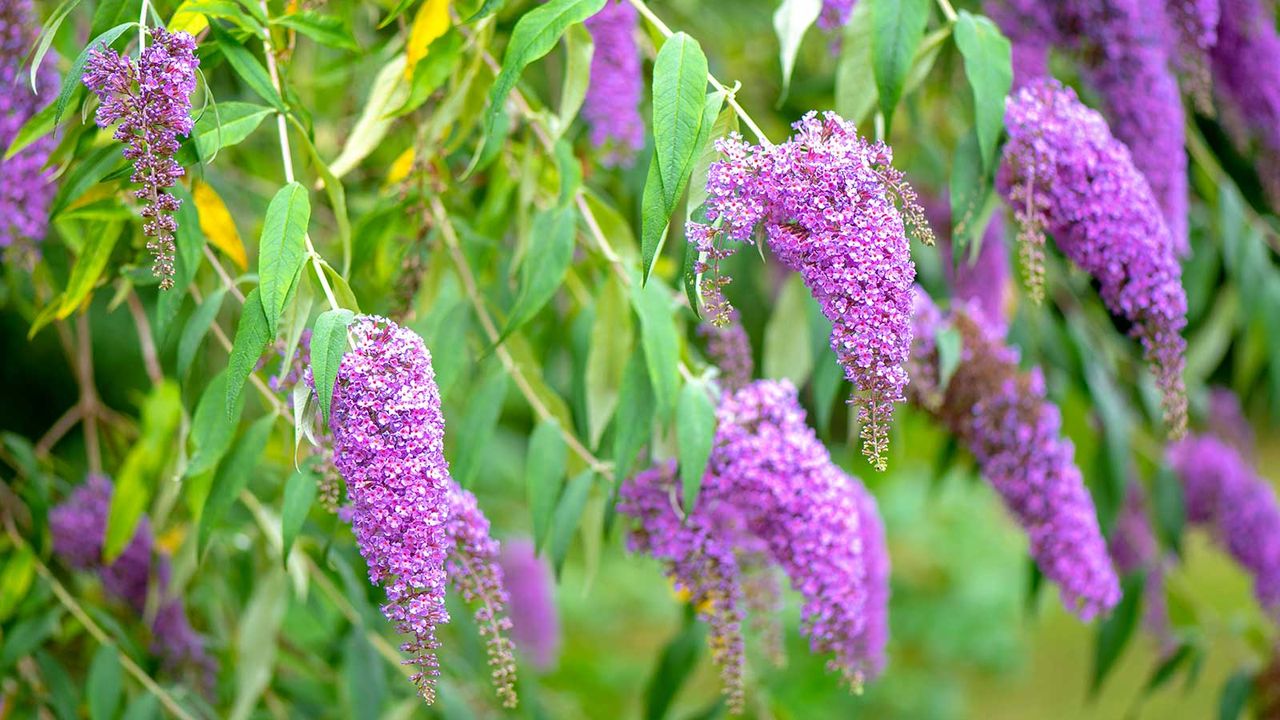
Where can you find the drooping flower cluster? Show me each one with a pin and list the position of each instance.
(771, 496)
(1134, 549)
(474, 570)
(1064, 173)
(835, 13)
(1002, 415)
(1223, 494)
(826, 201)
(1227, 422)
(26, 187)
(535, 624)
(1124, 45)
(388, 443)
(79, 525)
(612, 104)
(1246, 74)
(729, 348)
(151, 101)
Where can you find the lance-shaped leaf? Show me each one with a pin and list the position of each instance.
(252, 337)
(136, 480)
(74, 77)
(247, 67)
(389, 92)
(282, 249)
(988, 66)
(233, 476)
(661, 344)
(299, 494)
(212, 429)
(218, 226)
(324, 29)
(544, 473)
(791, 21)
(230, 125)
(897, 28)
(695, 431)
(328, 343)
(567, 516)
(544, 266)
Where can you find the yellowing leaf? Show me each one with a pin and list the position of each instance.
(216, 222)
(388, 93)
(400, 167)
(188, 18)
(430, 23)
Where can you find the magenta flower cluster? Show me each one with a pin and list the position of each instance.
(1125, 46)
(151, 101)
(26, 186)
(835, 13)
(826, 199)
(1003, 416)
(79, 525)
(1063, 172)
(612, 104)
(1223, 494)
(535, 623)
(1246, 74)
(771, 497)
(729, 348)
(388, 443)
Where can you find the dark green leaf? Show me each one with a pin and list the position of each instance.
(476, 430)
(233, 476)
(679, 87)
(84, 175)
(660, 342)
(36, 127)
(197, 326)
(105, 683)
(27, 635)
(299, 494)
(328, 343)
(897, 28)
(568, 512)
(282, 249)
(1235, 693)
(1168, 503)
(366, 681)
(679, 658)
(324, 29)
(230, 125)
(212, 429)
(544, 472)
(971, 188)
(110, 13)
(695, 431)
(544, 266)
(988, 65)
(488, 8)
(75, 75)
(1170, 665)
(1115, 631)
(252, 336)
(634, 420)
(655, 215)
(246, 66)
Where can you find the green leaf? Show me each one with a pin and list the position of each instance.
(328, 343)
(544, 472)
(46, 37)
(476, 430)
(897, 28)
(568, 513)
(282, 249)
(252, 336)
(725, 123)
(488, 8)
(678, 660)
(233, 122)
(1115, 631)
(388, 92)
(36, 127)
(136, 479)
(577, 76)
(212, 429)
(105, 684)
(109, 13)
(971, 189)
(1170, 508)
(855, 87)
(74, 77)
(431, 72)
(791, 21)
(366, 680)
(15, 580)
(27, 635)
(247, 67)
(534, 35)
(144, 707)
(299, 494)
(64, 695)
(660, 341)
(950, 350)
(1235, 693)
(1165, 671)
(196, 328)
(633, 424)
(84, 175)
(611, 348)
(679, 87)
(570, 171)
(788, 348)
(544, 266)
(324, 29)
(257, 641)
(233, 476)
(988, 66)
(89, 266)
(695, 431)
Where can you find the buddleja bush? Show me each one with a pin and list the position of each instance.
(490, 330)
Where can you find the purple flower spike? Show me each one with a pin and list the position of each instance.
(826, 199)
(835, 13)
(26, 187)
(1246, 74)
(1224, 495)
(1014, 432)
(151, 101)
(771, 497)
(388, 443)
(730, 349)
(1064, 173)
(612, 104)
(535, 624)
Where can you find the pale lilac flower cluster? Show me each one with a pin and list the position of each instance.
(79, 525)
(1134, 549)
(1063, 172)
(729, 348)
(1003, 416)
(771, 494)
(26, 186)
(1124, 44)
(1223, 494)
(835, 13)
(388, 443)
(612, 104)
(826, 201)
(474, 570)
(535, 623)
(1246, 74)
(151, 101)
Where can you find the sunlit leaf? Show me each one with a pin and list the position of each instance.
(430, 23)
(282, 249)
